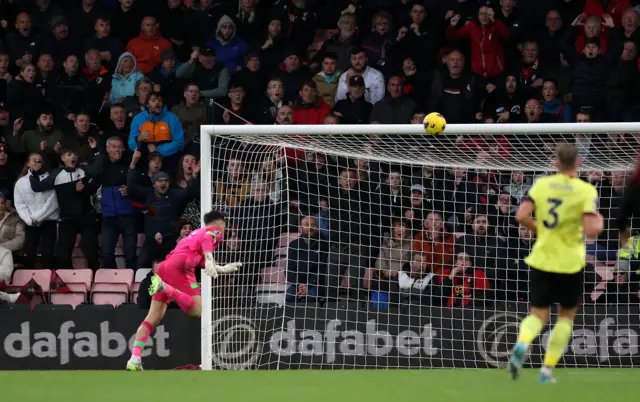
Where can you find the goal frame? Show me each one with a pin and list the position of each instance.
(208, 132)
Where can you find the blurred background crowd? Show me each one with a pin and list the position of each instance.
(101, 103)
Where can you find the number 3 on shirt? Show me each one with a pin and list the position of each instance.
(552, 223)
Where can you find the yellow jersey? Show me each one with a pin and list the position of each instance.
(560, 203)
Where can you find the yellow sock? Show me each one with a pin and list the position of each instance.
(530, 328)
(557, 341)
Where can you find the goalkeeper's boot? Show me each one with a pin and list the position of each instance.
(546, 377)
(157, 285)
(134, 366)
(515, 361)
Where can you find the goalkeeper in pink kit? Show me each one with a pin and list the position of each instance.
(175, 279)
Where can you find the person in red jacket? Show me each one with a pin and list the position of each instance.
(486, 35)
(615, 8)
(309, 108)
(148, 47)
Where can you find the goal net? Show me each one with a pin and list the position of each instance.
(381, 247)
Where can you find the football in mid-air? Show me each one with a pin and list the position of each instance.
(434, 123)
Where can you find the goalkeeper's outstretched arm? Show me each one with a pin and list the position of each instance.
(630, 202)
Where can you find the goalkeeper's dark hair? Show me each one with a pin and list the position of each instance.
(567, 155)
(214, 216)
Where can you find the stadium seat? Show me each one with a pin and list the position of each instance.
(141, 273)
(110, 293)
(119, 276)
(79, 283)
(112, 286)
(135, 289)
(273, 275)
(41, 276)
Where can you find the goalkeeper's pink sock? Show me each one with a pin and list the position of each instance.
(138, 345)
(185, 302)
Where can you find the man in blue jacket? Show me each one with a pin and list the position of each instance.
(157, 130)
(118, 213)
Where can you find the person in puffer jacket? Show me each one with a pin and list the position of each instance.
(118, 214)
(125, 77)
(40, 213)
(309, 108)
(230, 49)
(74, 189)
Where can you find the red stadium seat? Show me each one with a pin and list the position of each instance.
(122, 276)
(110, 293)
(79, 283)
(41, 276)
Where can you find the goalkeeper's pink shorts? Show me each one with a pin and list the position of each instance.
(174, 271)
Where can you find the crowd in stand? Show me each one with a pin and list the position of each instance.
(101, 103)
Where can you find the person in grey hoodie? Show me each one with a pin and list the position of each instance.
(125, 77)
(230, 49)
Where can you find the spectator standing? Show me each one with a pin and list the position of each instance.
(236, 111)
(529, 70)
(24, 98)
(397, 108)
(435, 243)
(23, 43)
(44, 139)
(117, 208)
(109, 47)
(355, 109)
(299, 20)
(273, 101)
(291, 74)
(11, 237)
(553, 106)
(148, 47)
(45, 75)
(165, 76)
(136, 103)
(418, 39)
(42, 14)
(203, 70)
(164, 207)
(83, 18)
(550, 39)
(416, 284)
(306, 263)
(416, 82)
(191, 113)
(465, 285)
(79, 138)
(505, 103)
(74, 190)
(272, 44)
(378, 43)
(60, 45)
(327, 79)
(230, 49)
(157, 129)
(117, 125)
(345, 41)
(175, 26)
(71, 90)
(125, 77)
(98, 80)
(374, 91)
(589, 71)
(309, 108)
(623, 85)
(126, 20)
(486, 35)
(394, 252)
(453, 91)
(253, 79)
(39, 212)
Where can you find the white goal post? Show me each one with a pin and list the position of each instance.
(380, 316)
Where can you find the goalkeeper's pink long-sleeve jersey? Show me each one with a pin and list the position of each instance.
(192, 248)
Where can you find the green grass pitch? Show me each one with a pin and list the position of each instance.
(579, 385)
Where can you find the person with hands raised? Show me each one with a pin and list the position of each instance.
(73, 188)
(44, 139)
(163, 205)
(110, 167)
